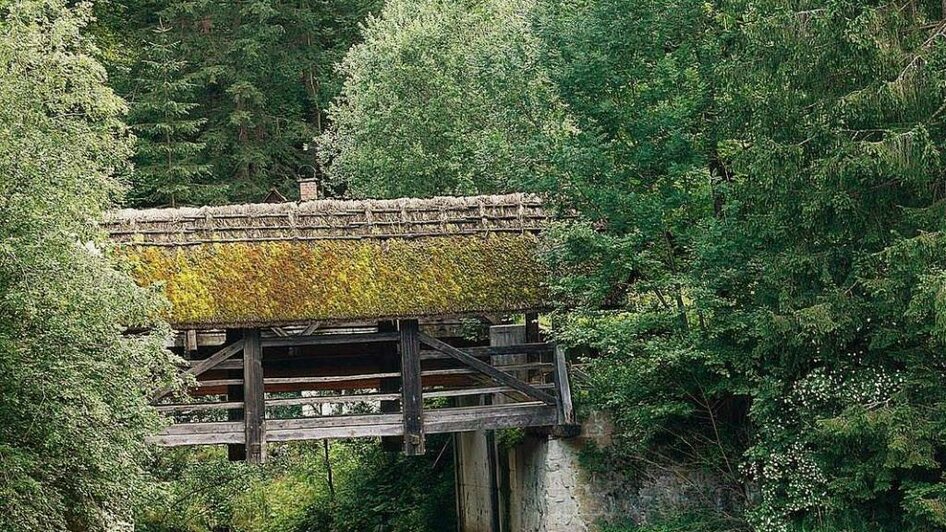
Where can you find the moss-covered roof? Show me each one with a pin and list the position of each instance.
(272, 264)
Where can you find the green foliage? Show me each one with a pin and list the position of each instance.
(773, 247)
(444, 97)
(168, 159)
(73, 386)
(757, 262)
(199, 490)
(253, 79)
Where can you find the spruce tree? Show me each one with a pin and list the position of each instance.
(170, 163)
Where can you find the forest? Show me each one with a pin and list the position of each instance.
(753, 275)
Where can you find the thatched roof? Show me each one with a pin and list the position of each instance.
(329, 220)
(328, 260)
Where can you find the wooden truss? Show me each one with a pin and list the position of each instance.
(412, 369)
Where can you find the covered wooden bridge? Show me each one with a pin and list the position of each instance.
(337, 319)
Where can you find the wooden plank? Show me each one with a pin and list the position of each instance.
(488, 370)
(332, 421)
(330, 378)
(412, 402)
(540, 416)
(233, 363)
(333, 399)
(380, 397)
(195, 407)
(197, 439)
(219, 382)
(461, 392)
(488, 351)
(563, 389)
(210, 427)
(329, 339)
(358, 431)
(254, 411)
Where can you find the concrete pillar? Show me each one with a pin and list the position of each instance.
(481, 470)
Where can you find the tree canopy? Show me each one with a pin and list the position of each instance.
(73, 387)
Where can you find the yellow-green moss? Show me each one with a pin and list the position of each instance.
(285, 282)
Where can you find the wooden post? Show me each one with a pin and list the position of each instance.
(235, 451)
(532, 328)
(412, 402)
(566, 411)
(254, 406)
(389, 363)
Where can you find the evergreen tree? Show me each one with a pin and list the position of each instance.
(169, 162)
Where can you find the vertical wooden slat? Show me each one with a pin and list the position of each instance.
(254, 410)
(532, 327)
(389, 363)
(412, 403)
(566, 411)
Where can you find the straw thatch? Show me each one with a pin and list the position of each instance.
(329, 220)
(274, 264)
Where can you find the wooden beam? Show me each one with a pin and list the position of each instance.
(412, 402)
(488, 370)
(390, 362)
(195, 407)
(254, 410)
(204, 365)
(566, 411)
(329, 339)
(532, 414)
(215, 359)
(488, 351)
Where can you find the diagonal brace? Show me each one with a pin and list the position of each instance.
(488, 370)
(206, 364)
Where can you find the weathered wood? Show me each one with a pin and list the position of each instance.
(215, 359)
(209, 427)
(532, 327)
(329, 339)
(219, 382)
(390, 362)
(488, 351)
(190, 340)
(488, 370)
(197, 439)
(563, 389)
(359, 431)
(412, 403)
(380, 397)
(540, 416)
(195, 407)
(330, 378)
(333, 399)
(333, 421)
(441, 420)
(254, 411)
(204, 365)
(233, 363)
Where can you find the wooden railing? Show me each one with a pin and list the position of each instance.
(418, 385)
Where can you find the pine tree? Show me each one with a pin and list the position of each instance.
(169, 159)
